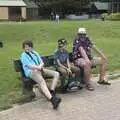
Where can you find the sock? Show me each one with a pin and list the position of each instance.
(52, 92)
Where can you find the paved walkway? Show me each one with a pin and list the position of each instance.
(101, 104)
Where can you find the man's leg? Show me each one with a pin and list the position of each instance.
(87, 72)
(76, 71)
(53, 74)
(102, 73)
(87, 68)
(37, 77)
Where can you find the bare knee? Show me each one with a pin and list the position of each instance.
(56, 74)
(76, 70)
(63, 73)
(87, 65)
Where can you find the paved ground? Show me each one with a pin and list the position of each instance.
(101, 104)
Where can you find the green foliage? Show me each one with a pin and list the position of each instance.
(112, 16)
(45, 35)
(61, 6)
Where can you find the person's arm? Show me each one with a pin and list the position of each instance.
(34, 67)
(26, 62)
(41, 64)
(99, 52)
(61, 65)
(68, 64)
(40, 60)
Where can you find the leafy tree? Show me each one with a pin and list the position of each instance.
(62, 6)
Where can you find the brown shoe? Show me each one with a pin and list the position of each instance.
(89, 87)
(103, 82)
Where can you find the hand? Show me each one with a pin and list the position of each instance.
(69, 71)
(40, 68)
(104, 58)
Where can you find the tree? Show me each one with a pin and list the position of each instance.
(62, 6)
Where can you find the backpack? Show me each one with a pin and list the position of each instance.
(70, 83)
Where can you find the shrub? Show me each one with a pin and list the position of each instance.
(112, 16)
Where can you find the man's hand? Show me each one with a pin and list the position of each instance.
(104, 58)
(99, 52)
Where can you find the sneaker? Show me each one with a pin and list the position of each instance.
(103, 82)
(53, 93)
(89, 87)
(80, 87)
(55, 102)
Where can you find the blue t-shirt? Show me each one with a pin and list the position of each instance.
(62, 56)
(26, 60)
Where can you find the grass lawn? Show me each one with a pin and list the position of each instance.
(106, 35)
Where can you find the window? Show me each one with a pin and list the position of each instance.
(14, 13)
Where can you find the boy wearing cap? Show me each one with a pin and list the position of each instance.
(82, 57)
(62, 61)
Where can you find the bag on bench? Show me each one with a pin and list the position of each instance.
(70, 83)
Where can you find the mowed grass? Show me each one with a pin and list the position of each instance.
(106, 35)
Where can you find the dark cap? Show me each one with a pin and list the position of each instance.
(62, 42)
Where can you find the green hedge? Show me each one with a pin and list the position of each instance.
(112, 16)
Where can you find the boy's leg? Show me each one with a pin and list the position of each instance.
(63, 71)
(64, 75)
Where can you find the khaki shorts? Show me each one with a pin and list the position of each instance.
(96, 61)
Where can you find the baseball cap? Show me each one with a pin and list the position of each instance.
(62, 42)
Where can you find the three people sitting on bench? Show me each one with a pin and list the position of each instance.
(34, 69)
(82, 56)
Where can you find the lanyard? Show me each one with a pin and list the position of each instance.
(38, 62)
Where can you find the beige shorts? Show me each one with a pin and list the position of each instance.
(96, 61)
(81, 62)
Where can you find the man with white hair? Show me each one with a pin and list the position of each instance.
(82, 58)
